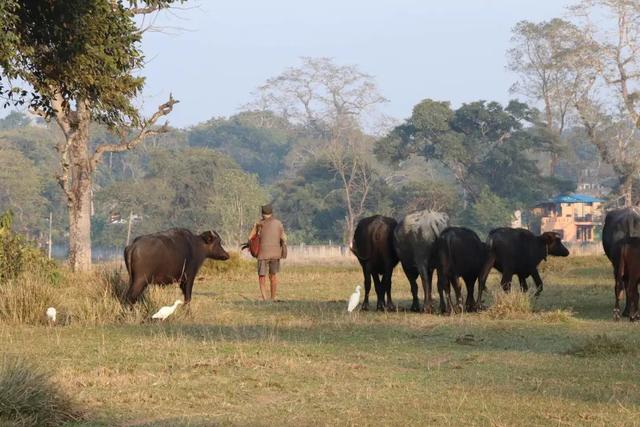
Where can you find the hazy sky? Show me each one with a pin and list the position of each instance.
(442, 49)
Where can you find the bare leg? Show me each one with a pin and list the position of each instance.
(505, 282)
(273, 280)
(262, 280)
(538, 281)
(380, 292)
(523, 283)
(482, 279)
(455, 280)
(367, 288)
(470, 304)
(386, 285)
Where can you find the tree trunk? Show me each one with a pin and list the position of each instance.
(80, 228)
(76, 183)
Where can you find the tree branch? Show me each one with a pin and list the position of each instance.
(147, 129)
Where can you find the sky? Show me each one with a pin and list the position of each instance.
(211, 56)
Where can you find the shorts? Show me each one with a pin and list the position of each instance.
(270, 265)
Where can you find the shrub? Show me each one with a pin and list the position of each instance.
(601, 346)
(28, 397)
(25, 299)
(512, 305)
(17, 256)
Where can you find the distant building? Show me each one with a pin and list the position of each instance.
(575, 217)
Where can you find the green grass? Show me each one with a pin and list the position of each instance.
(232, 360)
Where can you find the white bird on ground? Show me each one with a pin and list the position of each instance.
(354, 300)
(167, 311)
(51, 314)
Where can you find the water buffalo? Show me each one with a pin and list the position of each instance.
(518, 251)
(373, 246)
(459, 252)
(618, 225)
(629, 273)
(413, 240)
(168, 257)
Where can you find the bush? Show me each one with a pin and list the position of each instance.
(601, 346)
(512, 305)
(25, 300)
(28, 397)
(17, 256)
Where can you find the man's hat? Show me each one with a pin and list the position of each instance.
(266, 209)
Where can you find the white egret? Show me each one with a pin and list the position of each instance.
(354, 300)
(51, 314)
(167, 311)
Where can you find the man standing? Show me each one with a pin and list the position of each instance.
(272, 241)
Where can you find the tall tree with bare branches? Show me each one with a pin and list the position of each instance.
(75, 62)
(608, 101)
(539, 55)
(333, 102)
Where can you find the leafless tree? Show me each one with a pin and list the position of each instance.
(332, 102)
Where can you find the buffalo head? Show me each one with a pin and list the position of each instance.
(554, 245)
(213, 246)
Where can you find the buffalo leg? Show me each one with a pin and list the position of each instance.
(505, 281)
(426, 277)
(458, 290)
(482, 279)
(386, 286)
(623, 290)
(618, 290)
(523, 283)
(443, 280)
(186, 285)
(380, 291)
(367, 288)
(412, 276)
(632, 298)
(538, 281)
(136, 287)
(470, 303)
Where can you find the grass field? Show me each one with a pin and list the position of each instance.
(303, 361)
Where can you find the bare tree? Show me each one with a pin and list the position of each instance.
(607, 101)
(332, 102)
(540, 55)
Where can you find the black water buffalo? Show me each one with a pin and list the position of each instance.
(518, 251)
(413, 240)
(629, 272)
(373, 246)
(618, 225)
(459, 253)
(168, 257)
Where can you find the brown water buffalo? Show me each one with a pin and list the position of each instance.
(168, 257)
(619, 224)
(373, 246)
(413, 240)
(518, 251)
(629, 273)
(459, 253)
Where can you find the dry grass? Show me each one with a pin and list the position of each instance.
(28, 397)
(235, 360)
(512, 305)
(602, 346)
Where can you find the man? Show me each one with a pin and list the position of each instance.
(272, 241)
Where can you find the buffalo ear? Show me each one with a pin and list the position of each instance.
(207, 236)
(549, 237)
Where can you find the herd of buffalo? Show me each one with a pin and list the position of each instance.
(422, 242)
